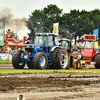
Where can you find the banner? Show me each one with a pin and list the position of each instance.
(4, 56)
(95, 32)
(2, 31)
(96, 44)
(56, 28)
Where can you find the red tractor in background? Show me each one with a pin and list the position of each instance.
(90, 54)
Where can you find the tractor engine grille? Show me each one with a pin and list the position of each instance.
(29, 49)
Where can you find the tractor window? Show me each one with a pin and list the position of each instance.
(45, 40)
(64, 44)
(38, 40)
(56, 41)
(89, 44)
(50, 40)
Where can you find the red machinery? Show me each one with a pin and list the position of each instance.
(90, 54)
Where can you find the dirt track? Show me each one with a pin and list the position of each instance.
(9, 66)
(50, 86)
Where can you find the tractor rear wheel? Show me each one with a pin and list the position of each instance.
(40, 60)
(30, 65)
(53, 56)
(17, 64)
(62, 59)
(97, 60)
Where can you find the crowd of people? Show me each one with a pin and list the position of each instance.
(6, 49)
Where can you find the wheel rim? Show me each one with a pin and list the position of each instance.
(21, 63)
(42, 61)
(78, 64)
(64, 59)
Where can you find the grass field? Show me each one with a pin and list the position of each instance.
(30, 70)
(47, 70)
(5, 62)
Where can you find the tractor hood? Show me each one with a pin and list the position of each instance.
(89, 53)
(33, 45)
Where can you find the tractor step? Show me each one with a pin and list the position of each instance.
(49, 61)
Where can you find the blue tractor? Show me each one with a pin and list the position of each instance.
(44, 51)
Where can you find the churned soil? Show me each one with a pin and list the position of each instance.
(50, 86)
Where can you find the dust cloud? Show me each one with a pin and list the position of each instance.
(14, 24)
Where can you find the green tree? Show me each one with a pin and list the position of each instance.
(53, 15)
(94, 16)
(43, 19)
(81, 21)
(78, 21)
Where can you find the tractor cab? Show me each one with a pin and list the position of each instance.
(42, 42)
(46, 39)
(65, 43)
(89, 46)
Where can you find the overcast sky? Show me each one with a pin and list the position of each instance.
(23, 8)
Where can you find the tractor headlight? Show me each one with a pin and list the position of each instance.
(27, 46)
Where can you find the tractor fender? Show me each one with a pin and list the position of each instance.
(54, 48)
(95, 54)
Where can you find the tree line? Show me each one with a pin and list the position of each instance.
(84, 22)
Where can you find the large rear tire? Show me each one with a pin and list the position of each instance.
(15, 61)
(97, 60)
(62, 59)
(30, 65)
(53, 56)
(40, 60)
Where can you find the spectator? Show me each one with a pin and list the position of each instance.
(79, 50)
(1, 49)
(8, 33)
(12, 50)
(5, 49)
(9, 50)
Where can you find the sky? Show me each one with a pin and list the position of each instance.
(23, 8)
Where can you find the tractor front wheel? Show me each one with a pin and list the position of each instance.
(16, 62)
(40, 60)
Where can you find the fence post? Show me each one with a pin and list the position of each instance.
(20, 97)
